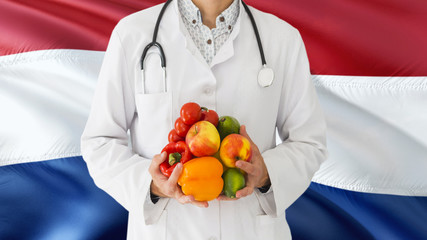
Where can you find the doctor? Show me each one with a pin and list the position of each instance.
(212, 58)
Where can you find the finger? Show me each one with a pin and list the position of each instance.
(203, 204)
(225, 198)
(154, 168)
(248, 190)
(255, 150)
(173, 179)
(157, 160)
(248, 167)
(245, 134)
(183, 198)
(169, 186)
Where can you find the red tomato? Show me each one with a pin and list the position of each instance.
(181, 128)
(209, 115)
(174, 137)
(191, 113)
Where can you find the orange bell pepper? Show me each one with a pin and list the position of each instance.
(201, 177)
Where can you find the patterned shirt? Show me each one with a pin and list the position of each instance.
(208, 41)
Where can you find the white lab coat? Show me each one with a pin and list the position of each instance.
(229, 85)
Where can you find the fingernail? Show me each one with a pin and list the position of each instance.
(237, 164)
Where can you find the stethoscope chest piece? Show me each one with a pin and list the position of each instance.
(265, 76)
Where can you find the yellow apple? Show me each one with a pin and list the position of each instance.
(203, 139)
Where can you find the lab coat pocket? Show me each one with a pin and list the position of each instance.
(154, 114)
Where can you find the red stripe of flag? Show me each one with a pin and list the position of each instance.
(363, 37)
(359, 37)
(28, 25)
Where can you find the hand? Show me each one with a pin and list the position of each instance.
(163, 186)
(257, 174)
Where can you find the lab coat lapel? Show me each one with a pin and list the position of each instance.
(191, 46)
(189, 43)
(227, 50)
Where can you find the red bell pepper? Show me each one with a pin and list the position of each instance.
(176, 152)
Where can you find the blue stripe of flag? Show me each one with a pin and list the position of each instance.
(324, 212)
(57, 199)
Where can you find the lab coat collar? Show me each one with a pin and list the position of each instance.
(189, 43)
(190, 11)
(192, 14)
(226, 51)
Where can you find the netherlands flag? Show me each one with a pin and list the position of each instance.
(369, 65)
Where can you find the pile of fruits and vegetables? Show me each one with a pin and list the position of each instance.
(208, 147)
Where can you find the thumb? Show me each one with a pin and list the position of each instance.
(245, 134)
(175, 174)
(159, 158)
(154, 168)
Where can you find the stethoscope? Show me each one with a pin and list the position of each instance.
(265, 74)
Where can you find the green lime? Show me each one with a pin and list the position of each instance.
(228, 125)
(233, 182)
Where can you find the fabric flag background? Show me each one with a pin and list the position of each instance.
(368, 60)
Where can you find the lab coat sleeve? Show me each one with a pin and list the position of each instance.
(113, 165)
(301, 126)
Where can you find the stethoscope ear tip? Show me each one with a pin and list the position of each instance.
(265, 76)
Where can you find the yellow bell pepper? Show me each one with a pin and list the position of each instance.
(201, 177)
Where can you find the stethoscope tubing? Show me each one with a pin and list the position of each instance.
(258, 39)
(154, 43)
